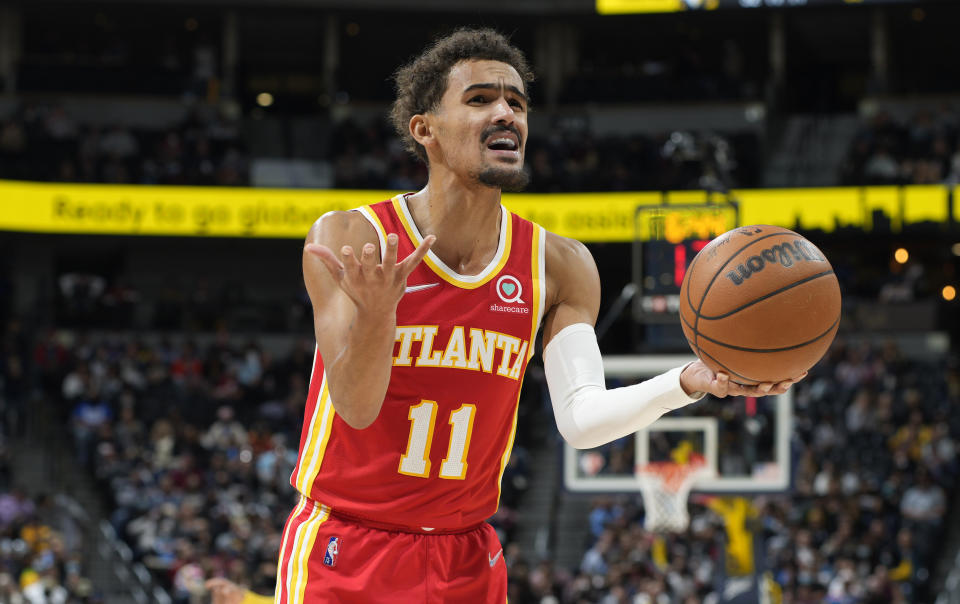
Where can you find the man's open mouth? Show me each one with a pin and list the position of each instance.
(502, 143)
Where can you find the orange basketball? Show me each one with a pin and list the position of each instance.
(760, 303)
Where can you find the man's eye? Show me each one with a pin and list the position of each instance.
(477, 99)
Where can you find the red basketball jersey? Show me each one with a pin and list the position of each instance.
(435, 455)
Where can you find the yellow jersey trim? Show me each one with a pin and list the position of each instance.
(300, 556)
(317, 439)
(509, 449)
(283, 544)
(440, 268)
(538, 279)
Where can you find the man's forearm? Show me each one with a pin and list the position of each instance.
(588, 415)
(359, 374)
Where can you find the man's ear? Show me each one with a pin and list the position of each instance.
(421, 129)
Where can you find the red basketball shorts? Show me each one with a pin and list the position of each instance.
(327, 559)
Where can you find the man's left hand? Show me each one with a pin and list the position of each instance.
(697, 377)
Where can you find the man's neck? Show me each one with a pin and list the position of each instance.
(465, 219)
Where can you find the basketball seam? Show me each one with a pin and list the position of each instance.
(728, 370)
(795, 346)
(696, 347)
(766, 296)
(706, 290)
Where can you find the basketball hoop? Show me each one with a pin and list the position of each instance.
(665, 486)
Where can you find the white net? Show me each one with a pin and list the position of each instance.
(666, 487)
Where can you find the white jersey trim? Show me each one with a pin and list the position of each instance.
(367, 213)
(486, 272)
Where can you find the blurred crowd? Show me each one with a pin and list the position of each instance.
(193, 446)
(40, 545)
(40, 553)
(877, 457)
(192, 449)
(14, 378)
(566, 158)
(106, 300)
(922, 150)
(44, 142)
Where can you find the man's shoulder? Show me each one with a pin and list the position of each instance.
(570, 267)
(560, 250)
(343, 227)
(351, 217)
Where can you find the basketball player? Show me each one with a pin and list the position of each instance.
(426, 309)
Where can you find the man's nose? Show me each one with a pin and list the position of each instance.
(503, 112)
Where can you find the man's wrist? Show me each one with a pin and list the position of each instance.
(685, 385)
(370, 320)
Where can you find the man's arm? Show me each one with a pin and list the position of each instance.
(587, 414)
(355, 297)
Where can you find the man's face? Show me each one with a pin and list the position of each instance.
(481, 124)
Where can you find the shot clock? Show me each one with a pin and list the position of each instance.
(668, 238)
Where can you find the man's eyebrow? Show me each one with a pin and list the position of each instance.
(491, 86)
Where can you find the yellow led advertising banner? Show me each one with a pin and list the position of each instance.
(288, 213)
(622, 7)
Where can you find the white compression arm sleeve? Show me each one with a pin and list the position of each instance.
(588, 415)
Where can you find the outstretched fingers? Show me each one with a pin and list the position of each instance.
(328, 258)
(368, 256)
(390, 254)
(410, 262)
(369, 281)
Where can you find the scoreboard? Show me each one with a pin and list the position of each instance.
(619, 7)
(668, 237)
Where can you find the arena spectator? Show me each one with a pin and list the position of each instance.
(44, 142)
(923, 150)
(40, 559)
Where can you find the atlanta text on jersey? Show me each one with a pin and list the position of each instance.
(455, 353)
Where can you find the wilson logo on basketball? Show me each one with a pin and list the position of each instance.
(786, 254)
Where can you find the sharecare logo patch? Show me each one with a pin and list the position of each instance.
(509, 289)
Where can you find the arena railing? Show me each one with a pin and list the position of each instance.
(132, 579)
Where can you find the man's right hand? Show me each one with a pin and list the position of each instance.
(373, 287)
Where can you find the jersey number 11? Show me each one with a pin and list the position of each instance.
(416, 461)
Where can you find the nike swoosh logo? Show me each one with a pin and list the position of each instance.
(415, 288)
(494, 559)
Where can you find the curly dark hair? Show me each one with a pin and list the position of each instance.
(421, 83)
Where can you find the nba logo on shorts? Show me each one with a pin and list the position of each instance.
(333, 551)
